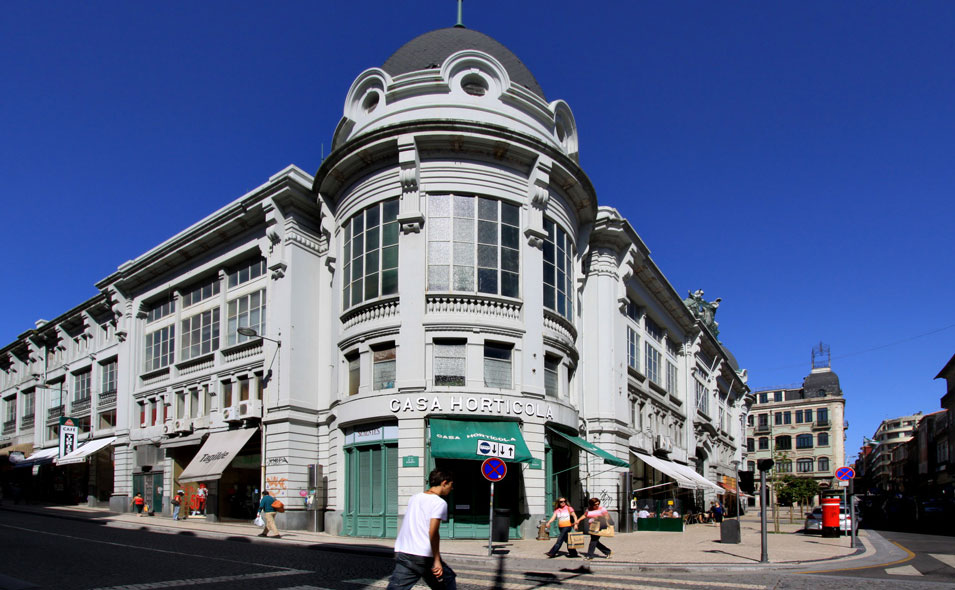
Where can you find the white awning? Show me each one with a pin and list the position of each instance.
(80, 454)
(182, 441)
(668, 468)
(40, 457)
(215, 455)
(704, 483)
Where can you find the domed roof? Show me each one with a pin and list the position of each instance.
(821, 383)
(431, 49)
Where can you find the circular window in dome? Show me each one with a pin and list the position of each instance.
(474, 85)
(561, 132)
(370, 102)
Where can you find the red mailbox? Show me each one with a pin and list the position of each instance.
(830, 517)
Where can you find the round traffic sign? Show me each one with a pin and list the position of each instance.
(493, 469)
(845, 473)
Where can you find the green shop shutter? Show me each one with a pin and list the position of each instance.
(458, 439)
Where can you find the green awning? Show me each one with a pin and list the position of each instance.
(592, 449)
(461, 439)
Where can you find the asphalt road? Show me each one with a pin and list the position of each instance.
(42, 551)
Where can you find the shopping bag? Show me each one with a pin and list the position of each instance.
(259, 521)
(575, 540)
(278, 506)
(602, 526)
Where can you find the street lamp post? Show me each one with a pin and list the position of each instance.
(253, 333)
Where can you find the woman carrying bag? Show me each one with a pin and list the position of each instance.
(566, 519)
(595, 512)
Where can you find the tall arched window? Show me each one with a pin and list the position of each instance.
(371, 254)
(558, 271)
(804, 441)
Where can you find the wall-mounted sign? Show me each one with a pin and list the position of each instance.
(472, 405)
(409, 461)
(490, 448)
(535, 464)
(69, 431)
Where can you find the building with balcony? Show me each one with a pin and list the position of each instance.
(885, 465)
(801, 428)
(444, 288)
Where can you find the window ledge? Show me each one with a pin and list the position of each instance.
(657, 388)
(635, 373)
(187, 364)
(145, 375)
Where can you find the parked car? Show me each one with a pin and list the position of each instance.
(813, 522)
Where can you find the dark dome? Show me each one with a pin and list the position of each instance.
(431, 49)
(826, 381)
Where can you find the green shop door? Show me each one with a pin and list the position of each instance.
(371, 496)
(150, 486)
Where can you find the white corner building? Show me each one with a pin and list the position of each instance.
(444, 289)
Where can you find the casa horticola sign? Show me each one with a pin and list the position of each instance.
(472, 405)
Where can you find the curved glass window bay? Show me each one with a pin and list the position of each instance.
(558, 271)
(371, 254)
(473, 245)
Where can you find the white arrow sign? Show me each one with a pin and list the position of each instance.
(489, 448)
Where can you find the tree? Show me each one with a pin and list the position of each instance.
(792, 489)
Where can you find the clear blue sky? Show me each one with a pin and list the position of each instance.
(795, 160)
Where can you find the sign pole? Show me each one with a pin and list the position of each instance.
(850, 504)
(490, 524)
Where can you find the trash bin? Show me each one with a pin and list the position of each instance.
(501, 526)
(729, 531)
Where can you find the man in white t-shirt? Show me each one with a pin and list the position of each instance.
(417, 548)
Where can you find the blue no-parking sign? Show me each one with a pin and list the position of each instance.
(845, 473)
(493, 469)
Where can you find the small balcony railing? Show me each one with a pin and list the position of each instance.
(55, 412)
(9, 426)
(107, 398)
(26, 421)
(821, 424)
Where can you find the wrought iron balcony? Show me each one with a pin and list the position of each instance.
(9, 426)
(107, 398)
(54, 412)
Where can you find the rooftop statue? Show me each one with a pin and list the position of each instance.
(704, 310)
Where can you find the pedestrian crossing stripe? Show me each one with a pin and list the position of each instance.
(945, 558)
(638, 579)
(903, 570)
(487, 581)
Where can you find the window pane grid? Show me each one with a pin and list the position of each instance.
(370, 267)
(247, 311)
(558, 271)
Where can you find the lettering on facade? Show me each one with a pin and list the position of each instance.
(472, 404)
(277, 461)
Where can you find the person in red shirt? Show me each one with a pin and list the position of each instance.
(566, 519)
(139, 502)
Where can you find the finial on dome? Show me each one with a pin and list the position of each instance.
(460, 23)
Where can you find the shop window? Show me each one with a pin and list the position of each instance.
(497, 365)
(449, 363)
(107, 419)
(633, 349)
(371, 254)
(227, 401)
(385, 366)
(354, 372)
(247, 311)
(551, 375)
(558, 271)
(652, 358)
(81, 385)
(160, 348)
(200, 334)
(202, 291)
(109, 377)
(246, 271)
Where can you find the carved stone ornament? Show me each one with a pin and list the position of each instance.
(278, 270)
(411, 222)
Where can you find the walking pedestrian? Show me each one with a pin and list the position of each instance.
(268, 514)
(417, 548)
(138, 503)
(566, 519)
(177, 501)
(595, 511)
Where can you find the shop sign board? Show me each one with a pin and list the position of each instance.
(490, 448)
(68, 434)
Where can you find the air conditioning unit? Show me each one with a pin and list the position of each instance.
(200, 422)
(662, 443)
(230, 414)
(167, 428)
(183, 425)
(250, 409)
